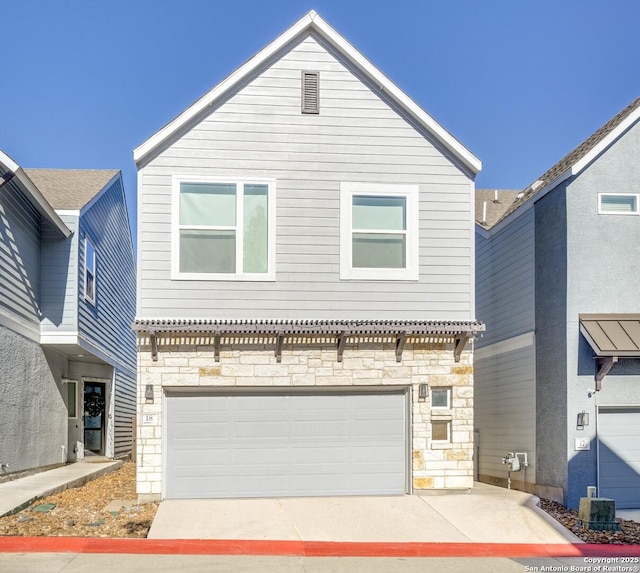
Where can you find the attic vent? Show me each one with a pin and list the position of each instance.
(310, 92)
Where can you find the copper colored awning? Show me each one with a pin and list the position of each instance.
(611, 336)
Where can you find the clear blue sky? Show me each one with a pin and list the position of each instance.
(518, 82)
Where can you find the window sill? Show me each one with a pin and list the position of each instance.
(223, 277)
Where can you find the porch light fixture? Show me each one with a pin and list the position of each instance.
(423, 392)
(148, 393)
(583, 420)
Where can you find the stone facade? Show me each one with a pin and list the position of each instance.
(188, 362)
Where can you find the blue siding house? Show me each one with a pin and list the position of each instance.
(558, 372)
(67, 300)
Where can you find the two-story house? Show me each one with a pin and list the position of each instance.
(305, 285)
(558, 370)
(67, 299)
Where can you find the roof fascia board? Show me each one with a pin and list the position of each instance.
(33, 193)
(99, 194)
(624, 125)
(143, 150)
(312, 21)
(461, 152)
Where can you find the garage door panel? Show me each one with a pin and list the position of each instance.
(619, 456)
(289, 445)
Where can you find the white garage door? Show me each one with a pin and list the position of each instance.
(619, 454)
(274, 445)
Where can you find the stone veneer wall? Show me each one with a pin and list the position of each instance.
(189, 362)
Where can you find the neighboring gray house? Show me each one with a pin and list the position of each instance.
(306, 285)
(558, 370)
(67, 299)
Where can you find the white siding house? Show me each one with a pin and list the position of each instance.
(306, 267)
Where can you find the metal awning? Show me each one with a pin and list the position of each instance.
(458, 331)
(611, 336)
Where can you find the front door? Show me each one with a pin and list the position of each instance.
(94, 409)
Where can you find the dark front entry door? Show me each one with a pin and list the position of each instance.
(94, 409)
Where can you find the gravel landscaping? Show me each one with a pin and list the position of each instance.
(630, 533)
(107, 507)
(104, 507)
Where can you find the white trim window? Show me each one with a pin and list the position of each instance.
(618, 204)
(223, 229)
(378, 232)
(89, 271)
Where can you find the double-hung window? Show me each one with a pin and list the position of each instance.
(224, 229)
(379, 232)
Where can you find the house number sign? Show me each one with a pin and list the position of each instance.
(149, 419)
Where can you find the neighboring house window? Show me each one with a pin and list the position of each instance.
(379, 231)
(224, 229)
(441, 431)
(441, 398)
(311, 92)
(89, 271)
(72, 398)
(618, 203)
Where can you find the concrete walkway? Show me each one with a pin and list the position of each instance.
(486, 515)
(19, 493)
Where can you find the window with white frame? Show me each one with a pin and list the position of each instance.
(89, 271)
(618, 203)
(224, 229)
(441, 398)
(378, 231)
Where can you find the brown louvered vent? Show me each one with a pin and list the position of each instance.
(310, 92)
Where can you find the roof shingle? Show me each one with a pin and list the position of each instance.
(70, 189)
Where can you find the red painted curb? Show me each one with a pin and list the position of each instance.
(306, 548)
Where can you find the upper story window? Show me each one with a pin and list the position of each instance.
(618, 203)
(89, 271)
(379, 232)
(224, 230)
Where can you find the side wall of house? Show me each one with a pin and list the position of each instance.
(551, 344)
(358, 136)
(504, 361)
(59, 287)
(33, 411)
(106, 325)
(602, 274)
(19, 262)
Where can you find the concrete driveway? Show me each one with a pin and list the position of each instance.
(487, 514)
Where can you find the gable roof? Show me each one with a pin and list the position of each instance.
(311, 22)
(12, 173)
(70, 189)
(576, 160)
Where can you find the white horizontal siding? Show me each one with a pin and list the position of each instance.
(60, 282)
(505, 281)
(19, 260)
(505, 410)
(358, 136)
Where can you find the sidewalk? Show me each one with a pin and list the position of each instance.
(19, 493)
